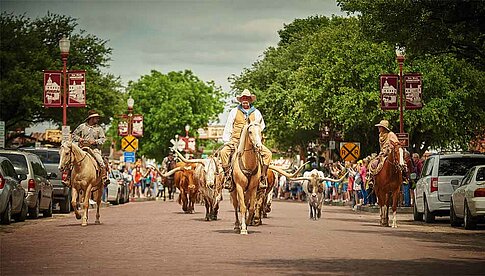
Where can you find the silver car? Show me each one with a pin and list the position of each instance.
(12, 195)
(37, 184)
(467, 203)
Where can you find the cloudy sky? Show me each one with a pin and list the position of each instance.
(213, 38)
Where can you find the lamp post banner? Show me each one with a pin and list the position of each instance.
(123, 126)
(413, 89)
(77, 88)
(52, 89)
(137, 129)
(388, 89)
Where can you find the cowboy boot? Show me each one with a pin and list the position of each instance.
(228, 184)
(263, 181)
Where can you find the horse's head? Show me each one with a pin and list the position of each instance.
(65, 155)
(254, 135)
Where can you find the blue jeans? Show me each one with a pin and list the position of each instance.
(406, 194)
(364, 196)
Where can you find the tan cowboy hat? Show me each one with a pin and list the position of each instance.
(92, 114)
(246, 93)
(384, 124)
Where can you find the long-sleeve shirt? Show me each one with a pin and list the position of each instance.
(87, 132)
(226, 136)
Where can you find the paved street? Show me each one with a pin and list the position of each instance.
(155, 237)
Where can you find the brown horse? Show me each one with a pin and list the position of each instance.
(84, 178)
(388, 185)
(168, 182)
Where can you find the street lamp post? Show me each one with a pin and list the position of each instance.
(130, 103)
(400, 56)
(64, 45)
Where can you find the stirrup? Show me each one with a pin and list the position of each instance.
(263, 183)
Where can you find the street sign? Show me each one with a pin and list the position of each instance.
(331, 145)
(403, 139)
(129, 157)
(66, 133)
(52, 88)
(129, 143)
(77, 88)
(349, 151)
(388, 89)
(2, 134)
(413, 86)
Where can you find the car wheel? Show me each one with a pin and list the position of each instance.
(468, 221)
(23, 213)
(7, 214)
(428, 215)
(454, 220)
(65, 205)
(118, 195)
(417, 215)
(48, 213)
(34, 212)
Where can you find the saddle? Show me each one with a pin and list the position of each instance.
(97, 166)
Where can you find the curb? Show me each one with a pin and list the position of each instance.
(375, 209)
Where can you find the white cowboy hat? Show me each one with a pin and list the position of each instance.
(384, 124)
(246, 93)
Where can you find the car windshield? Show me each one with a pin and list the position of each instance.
(47, 156)
(18, 161)
(458, 166)
(480, 174)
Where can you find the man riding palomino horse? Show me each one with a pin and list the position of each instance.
(239, 116)
(90, 136)
(387, 139)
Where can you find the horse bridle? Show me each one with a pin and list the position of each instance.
(70, 164)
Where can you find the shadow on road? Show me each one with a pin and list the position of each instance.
(368, 266)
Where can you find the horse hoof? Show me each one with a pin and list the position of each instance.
(244, 232)
(84, 224)
(97, 222)
(78, 216)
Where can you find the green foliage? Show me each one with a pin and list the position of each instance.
(330, 77)
(170, 101)
(30, 46)
(425, 26)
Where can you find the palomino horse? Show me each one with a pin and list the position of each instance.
(387, 184)
(83, 178)
(246, 172)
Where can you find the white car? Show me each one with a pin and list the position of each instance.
(115, 188)
(467, 203)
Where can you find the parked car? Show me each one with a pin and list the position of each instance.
(61, 194)
(467, 204)
(440, 176)
(12, 196)
(116, 188)
(37, 184)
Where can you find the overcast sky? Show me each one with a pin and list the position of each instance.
(213, 38)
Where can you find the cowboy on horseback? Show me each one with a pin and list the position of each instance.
(387, 140)
(90, 136)
(244, 113)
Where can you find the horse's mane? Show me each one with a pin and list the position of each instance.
(242, 139)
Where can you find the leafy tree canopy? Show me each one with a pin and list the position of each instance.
(425, 26)
(168, 103)
(32, 45)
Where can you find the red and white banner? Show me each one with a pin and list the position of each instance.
(123, 126)
(137, 125)
(389, 93)
(413, 89)
(52, 89)
(77, 88)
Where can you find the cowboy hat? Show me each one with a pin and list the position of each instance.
(246, 93)
(384, 124)
(92, 114)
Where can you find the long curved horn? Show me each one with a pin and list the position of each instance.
(287, 174)
(333, 180)
(300, 178)
(168, 173)
(185, 160)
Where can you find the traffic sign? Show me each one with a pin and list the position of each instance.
(129, 157)
(403, 139)
(129, 143)
(349, 151)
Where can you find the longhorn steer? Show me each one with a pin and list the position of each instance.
(263, 200)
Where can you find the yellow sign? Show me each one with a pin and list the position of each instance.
(349, 151)
(129, 143)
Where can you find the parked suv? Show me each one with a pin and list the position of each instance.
(37, 184)
(440, 176)
(61, 194)
(12, 195)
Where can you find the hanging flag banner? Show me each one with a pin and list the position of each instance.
(52, 89)
(77, 88)
(123, 126)
(388, 89)
(137, 125)
(413, 85)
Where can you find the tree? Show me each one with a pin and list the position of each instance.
(330, 77)
(30, 46)
(426, 26)
(170, 101)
